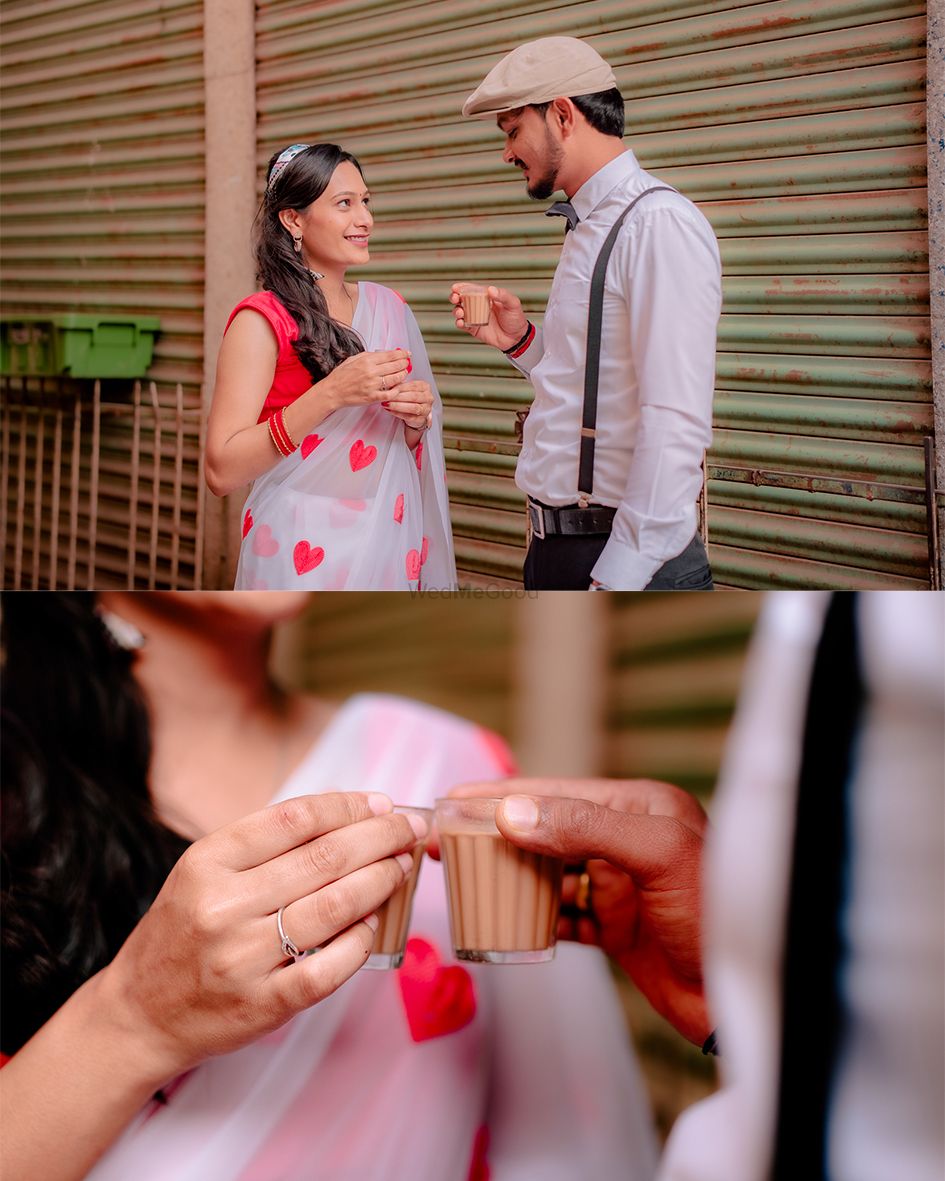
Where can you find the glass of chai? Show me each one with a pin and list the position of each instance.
(394, 915)
(476, 306)
(503, 901)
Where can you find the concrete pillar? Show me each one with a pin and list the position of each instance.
(561, 683)
(936, 150)
(230, 206)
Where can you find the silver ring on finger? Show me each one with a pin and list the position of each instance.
(289, 948)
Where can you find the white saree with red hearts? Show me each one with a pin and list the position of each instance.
(353, 508)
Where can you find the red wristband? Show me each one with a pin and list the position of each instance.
(517, 349)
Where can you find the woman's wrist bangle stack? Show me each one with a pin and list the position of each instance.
(517, 349)
(279, 433)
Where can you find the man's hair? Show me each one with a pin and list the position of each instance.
(604, 111)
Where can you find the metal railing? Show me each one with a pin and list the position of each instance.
(99, 491)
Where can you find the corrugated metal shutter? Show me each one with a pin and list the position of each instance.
(457, 657)
(103, 212)
(674, 678)
(824, 382)
(798, 127)
(675, 664)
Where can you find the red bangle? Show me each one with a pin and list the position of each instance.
(290, 442)
(279, 433)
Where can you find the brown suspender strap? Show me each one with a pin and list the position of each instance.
(595, 315)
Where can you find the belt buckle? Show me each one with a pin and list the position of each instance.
(537, 515)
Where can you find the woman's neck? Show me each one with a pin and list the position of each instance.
(337, 296)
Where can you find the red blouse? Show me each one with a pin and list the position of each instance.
(291, 378)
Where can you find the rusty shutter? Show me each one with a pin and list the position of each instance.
(103, 213)
(805, 144)
(797, 125)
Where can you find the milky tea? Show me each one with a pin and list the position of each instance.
(503, 901)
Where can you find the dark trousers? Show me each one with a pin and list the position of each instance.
(565, 563)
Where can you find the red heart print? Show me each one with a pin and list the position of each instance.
(438, 1000)
(309, 443)
(264, 544)
(399, 509)
(360, 456)
(413, 565)
(479, 1165)
(307, 557)
(418, 456)
(247, 522)
(424, 550)
(496, 748)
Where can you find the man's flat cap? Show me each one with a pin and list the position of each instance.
(537, 72)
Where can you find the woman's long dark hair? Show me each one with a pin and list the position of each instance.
(322, 342)
(83, 853)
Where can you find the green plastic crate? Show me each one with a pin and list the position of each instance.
(76, 344)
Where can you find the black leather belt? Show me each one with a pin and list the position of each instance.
(569, 521)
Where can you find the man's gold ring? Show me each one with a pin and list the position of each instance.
(582, 895)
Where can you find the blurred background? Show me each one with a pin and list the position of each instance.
(134, 142)
(617, 685)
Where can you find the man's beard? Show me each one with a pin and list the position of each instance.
(540, 188)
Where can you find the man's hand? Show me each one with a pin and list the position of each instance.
(507, 321)
(642, 842)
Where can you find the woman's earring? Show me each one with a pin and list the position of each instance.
(298, 243)
(120, 632)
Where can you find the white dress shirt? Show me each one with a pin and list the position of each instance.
(885, 1114)
(662, 300)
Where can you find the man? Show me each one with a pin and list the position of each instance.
(621, 514)
(824, 943)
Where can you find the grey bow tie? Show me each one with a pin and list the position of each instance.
(564, 209)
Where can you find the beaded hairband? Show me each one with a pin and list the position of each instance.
(284, 158)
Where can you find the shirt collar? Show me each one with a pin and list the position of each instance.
(604, 180)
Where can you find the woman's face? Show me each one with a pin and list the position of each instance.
(336, 227)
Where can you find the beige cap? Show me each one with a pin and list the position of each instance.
(537, 72)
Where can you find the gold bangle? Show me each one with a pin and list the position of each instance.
(285, 430)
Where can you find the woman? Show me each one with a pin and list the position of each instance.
(325, 398)
(165, 1045)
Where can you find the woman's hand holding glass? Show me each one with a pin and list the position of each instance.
(413, 403)
(204, 971)
(366, 378)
